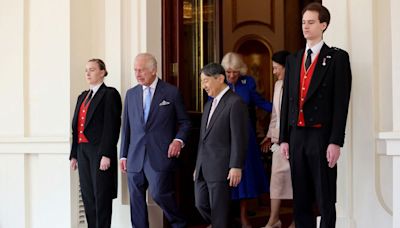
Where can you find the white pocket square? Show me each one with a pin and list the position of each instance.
(164, 102)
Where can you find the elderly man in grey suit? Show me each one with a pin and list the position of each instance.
(222, 147)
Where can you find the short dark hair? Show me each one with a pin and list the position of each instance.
(324, 15)
(101, 65)
(280, 57)
(213, 70)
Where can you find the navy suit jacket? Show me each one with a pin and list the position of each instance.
(167, 120)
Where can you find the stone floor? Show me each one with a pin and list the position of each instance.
(259, 212)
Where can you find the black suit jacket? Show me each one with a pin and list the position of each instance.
(328, 96)
(223, 144)
(102, 126)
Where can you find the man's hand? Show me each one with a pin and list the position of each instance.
(332, 154)
(234, 176)
(285, 150)
(73, 164)
(122, 164)
(265, 144)
(104, 163)
(174, 149)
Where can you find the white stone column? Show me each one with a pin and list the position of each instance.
(391, 139)
(34, 96)
(393, 143)
(140, 32)
(391, 146)
(338, 35)
(395, 27)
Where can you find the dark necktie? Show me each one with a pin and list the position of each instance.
(89, 97)
(308, 60)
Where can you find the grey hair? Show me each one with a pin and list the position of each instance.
(151, 60)
(235, 62)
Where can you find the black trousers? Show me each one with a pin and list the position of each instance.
(212, 200)
(314, 183)
(95, 187)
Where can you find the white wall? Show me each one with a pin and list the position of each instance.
(44, 47)
(43, 50)
(12, 70)
(34, 52)
(363, 28)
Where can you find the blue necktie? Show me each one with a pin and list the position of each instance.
(147, 103)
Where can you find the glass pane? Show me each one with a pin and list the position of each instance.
(199, 45)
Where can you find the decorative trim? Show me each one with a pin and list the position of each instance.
(262, 40)
(35, 145)
(236, 25)
(389, 143)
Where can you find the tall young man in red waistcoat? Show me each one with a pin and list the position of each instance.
(313, 119)
(95, 132)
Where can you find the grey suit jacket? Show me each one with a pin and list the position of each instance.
(223, 144)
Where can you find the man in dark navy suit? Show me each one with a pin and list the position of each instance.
(313, 119)
(155, 127)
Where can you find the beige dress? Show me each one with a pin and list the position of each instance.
(281, 183)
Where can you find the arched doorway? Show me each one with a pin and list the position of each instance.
(196, 32)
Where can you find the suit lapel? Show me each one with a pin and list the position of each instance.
(137, 97)
(217, 112)
(94, 103)
(204, 118)
(297, 69)
(156, 100)
(319, 71)
(78, 107)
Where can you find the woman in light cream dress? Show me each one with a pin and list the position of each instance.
(281, 184)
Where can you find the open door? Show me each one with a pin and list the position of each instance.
(190, 41)
(197, 32)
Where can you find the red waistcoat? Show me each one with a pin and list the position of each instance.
(305, 79)
(81, 121)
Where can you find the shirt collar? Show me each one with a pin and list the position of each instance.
(95, 88)
(315, 49)
(152, 86)
(219, 96)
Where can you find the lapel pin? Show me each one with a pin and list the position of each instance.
(324, 62)
(244, 81)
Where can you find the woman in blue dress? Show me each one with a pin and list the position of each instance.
(254, 180)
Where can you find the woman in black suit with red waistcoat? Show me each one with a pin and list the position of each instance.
(95, 132)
